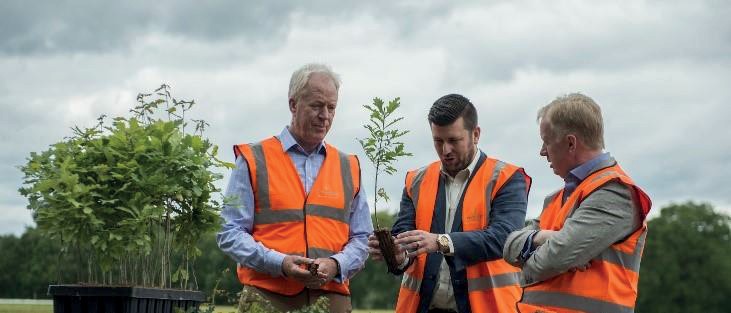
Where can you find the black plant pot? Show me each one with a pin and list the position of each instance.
(112, 299)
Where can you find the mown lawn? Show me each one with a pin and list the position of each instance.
(26, 308)
(44, 308)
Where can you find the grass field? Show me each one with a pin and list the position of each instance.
(44, 308)
(26, 308)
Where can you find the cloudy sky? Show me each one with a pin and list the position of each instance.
(661, 71)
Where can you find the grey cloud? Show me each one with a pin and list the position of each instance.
(51, 27)
(98, 26)
(566, 39)
(41, 27)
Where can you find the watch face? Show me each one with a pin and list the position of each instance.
(443, 244)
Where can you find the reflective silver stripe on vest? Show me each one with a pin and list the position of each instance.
(488, 190)
(315, 253)
(628, 261)
(410, 282)
(490, 282)
(262, 176)
(269, 216)
(573, 302)
(416, 185)
(579, 194)
(294, 253)
(347, 176)
(549, 198)
(340, 215)
(602, 175)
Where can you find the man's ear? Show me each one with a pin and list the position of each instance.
(292, 105)
(476, 134)
(572, 141)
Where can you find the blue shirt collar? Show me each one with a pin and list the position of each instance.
(579, 173)
(289, 143)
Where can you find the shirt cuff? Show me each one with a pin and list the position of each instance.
(451, 246)
(273, 262)
(405, 263)
(528, 248)
(341, 259)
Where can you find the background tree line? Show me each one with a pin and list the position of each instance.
(686, 266)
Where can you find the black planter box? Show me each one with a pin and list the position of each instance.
(111, 299)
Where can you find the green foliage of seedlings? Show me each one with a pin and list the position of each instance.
(126, 198)
(383, 146)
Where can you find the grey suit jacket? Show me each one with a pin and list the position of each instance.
(606, 216)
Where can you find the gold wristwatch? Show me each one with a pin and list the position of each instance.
(443, 244)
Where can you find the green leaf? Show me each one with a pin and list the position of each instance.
(382, 193)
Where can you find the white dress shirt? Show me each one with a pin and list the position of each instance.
(454, 186)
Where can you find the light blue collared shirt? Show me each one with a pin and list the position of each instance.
(235, 238)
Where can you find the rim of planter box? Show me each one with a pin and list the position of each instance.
(125, 291)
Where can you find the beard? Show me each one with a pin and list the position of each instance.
(460, 162)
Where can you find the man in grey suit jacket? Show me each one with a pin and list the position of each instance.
(564, 256)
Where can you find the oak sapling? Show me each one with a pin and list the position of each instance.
(383, 148)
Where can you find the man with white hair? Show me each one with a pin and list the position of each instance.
(583, 253)
(300, 223)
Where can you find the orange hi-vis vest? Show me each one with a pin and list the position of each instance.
(492, 286)
(315, 225)
(610, 283)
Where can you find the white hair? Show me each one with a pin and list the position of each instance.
(301, 76)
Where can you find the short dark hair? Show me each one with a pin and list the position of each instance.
(449, 108)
